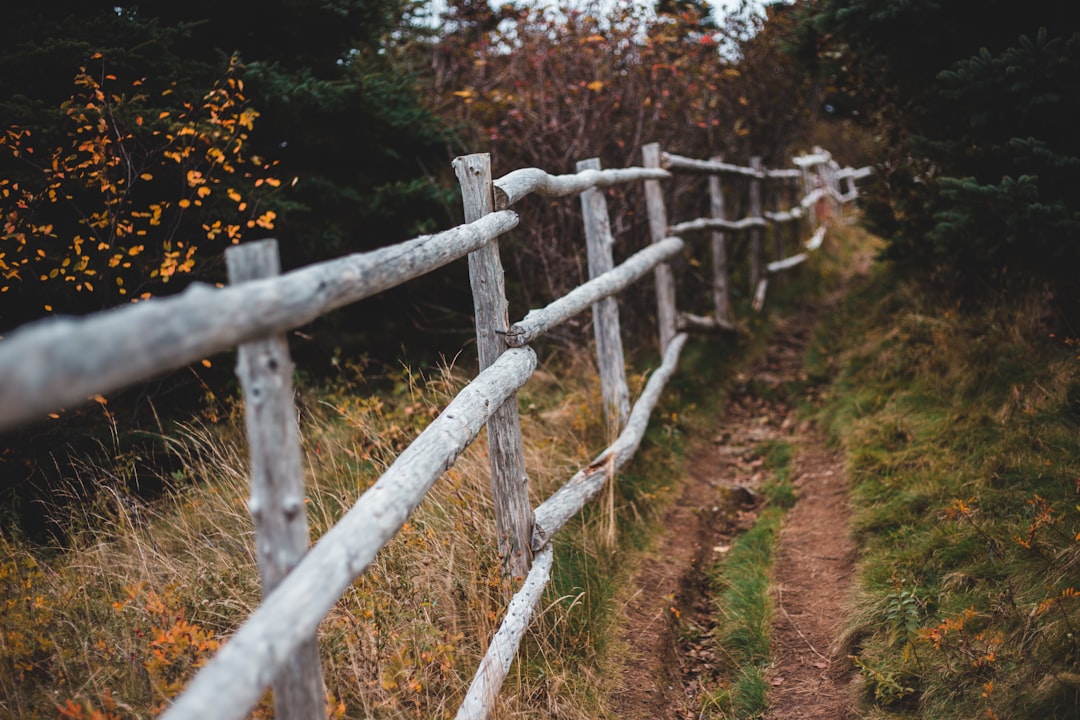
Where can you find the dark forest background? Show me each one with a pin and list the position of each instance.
(138, 140)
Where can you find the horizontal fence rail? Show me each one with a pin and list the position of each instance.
(550, 516)
(516, 185)
(718, 224)
(61, 362)
(580, 299)
(504, 644)
(707, 167)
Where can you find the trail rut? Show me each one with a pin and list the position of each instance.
(670, 656)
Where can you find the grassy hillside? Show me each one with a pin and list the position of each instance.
(961, 427)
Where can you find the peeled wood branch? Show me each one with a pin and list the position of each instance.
(790, 173)
(539, 321)
(690, 322)
(780, 217)
(759, 294)
(725, 316)
(706, 167)
(813, 196)
(804, 161)
(550, 516)
(823, 192)
(663, 276)
(757, 253)
(717, 224)
(786, 263)
(855, 173)
(489, 677)
(514, 186)
(816, 239)
(60, 362)
(491, 310)
(233, 681)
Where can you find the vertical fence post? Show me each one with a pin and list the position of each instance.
(850, 182)
(807, 186)
(774, 191)
(658, 225)
(721, 293)
(609, 349)
(756, 260)
(792, 194)
(265, 370)
(826, 171)
(509, 482)
(849, 188)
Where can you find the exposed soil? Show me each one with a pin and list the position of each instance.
(670, 655)
(812, 575)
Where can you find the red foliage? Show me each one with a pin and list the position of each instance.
(538, 88)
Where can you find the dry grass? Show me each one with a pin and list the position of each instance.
(117, 623)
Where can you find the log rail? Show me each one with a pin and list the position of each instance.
(61, 362)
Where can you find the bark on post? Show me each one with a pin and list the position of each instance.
(807, 187)
(665, 280)
(721, 293)
(609, 349)
(509, 482)
(265, 370)
(792, 195)
(756, 260)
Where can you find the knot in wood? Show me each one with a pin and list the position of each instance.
(291, 507)
(516, 336)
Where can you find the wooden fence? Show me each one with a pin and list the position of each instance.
(60, 362)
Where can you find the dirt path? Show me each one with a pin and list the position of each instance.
(812, 575)
(670, 656)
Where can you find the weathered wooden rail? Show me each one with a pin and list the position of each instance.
(61, 362)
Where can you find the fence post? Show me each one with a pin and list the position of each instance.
(826, 171)
(605, 314)
(774, 191)
(658, 225)
(756, 265)
(721, 293)
(793, 198)
(807, 185)
(277, 507)
(509, 482)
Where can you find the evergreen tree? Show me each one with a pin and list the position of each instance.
(976, 105)
(333, 113)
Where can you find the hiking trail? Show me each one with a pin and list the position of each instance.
(670, 656)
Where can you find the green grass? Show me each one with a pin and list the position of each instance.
(740, 582)
(960, 430)
(741, 589)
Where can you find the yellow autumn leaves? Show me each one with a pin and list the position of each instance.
(88, 206)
